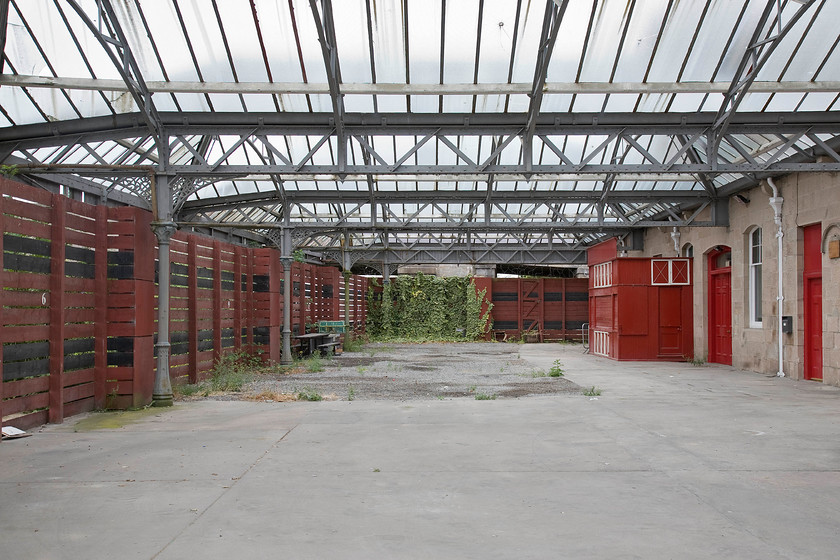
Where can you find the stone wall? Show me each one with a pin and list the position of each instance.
(808, 199)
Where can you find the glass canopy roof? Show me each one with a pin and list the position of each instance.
(415, 123)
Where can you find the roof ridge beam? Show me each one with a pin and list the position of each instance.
(113, 40)
(758, 52)
(554, 11)
(325, 26)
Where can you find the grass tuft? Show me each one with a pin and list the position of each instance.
(308, 394)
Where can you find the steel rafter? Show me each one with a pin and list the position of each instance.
(325, 27)
(550, 28)
(761, 46)
(112, 38)
(4, 20)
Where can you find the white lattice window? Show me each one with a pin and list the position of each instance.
(601, 343)
(602, 275)
(667, 272)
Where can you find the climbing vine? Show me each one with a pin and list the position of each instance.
(425, 307)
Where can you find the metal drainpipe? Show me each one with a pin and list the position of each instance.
(776, 202)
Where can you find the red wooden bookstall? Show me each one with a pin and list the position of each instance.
(639, 308)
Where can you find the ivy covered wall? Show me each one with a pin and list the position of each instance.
(425, 307)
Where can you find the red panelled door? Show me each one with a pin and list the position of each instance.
(812, 282)
(720, 306)
(670, 321)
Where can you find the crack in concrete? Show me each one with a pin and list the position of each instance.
(224, 492)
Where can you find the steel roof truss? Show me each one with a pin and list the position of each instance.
(113, 40)
(757, 53)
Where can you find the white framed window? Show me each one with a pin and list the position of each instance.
(754, 260)
(669, 272)
(602, 275)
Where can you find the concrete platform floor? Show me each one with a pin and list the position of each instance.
(671, 461)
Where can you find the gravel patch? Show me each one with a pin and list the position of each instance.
(404, 372)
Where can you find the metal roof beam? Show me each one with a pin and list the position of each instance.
(758, 52)
(325, 26)
(383, 124)
(486, 88)
(550, 28)
(591, 224)
(394, 197)
(112, 38)
(4, 21)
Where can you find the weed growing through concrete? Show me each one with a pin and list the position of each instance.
(361, 370)
(538, 373)
(592, 392)
(472, 388)
(352, 344)
(351, 393)
(697, 361)
(556, 370)
(308, 394)
(485, 397)
(230, 373)
(314, 363)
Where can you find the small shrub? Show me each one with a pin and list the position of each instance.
(307, 394)
(592, 392)
(696, 361)
(314, 364)
(485, 397)
(352, 344)
(556, 370)
(186, 389)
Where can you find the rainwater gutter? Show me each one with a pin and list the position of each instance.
(776, 203)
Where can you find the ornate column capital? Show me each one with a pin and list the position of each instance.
(164, 230)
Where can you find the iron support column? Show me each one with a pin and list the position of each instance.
(286, 260)
(286, 354)
(162, 394)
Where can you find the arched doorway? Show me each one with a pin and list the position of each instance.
(720, 305)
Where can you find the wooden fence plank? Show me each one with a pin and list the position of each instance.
(57, 284)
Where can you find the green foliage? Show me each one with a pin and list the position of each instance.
(308, 394)
(9, 170)
(556, 370)
(351, 393)
(314, 363)
(485, 397)
(298, 255)
(352, 344)
(425, 307)
(477, 323)
(592, 392)
(229, 374)
(696, 361)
